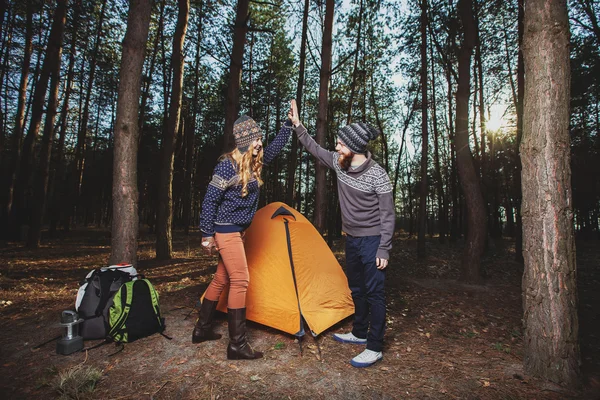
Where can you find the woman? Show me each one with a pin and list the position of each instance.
(227, 210)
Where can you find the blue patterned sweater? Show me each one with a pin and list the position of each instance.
(224, 209)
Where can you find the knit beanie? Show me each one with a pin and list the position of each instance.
(245, 130)
(356, 136)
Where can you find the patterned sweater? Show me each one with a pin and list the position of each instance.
(365, 195)
(224, 209)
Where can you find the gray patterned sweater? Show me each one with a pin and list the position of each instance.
(365, 195)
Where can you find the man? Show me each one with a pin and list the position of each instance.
(367, 205)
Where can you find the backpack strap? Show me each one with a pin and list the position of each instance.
(154, 296)
(128, 295)
(106, 280)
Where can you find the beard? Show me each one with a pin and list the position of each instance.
(345, 161)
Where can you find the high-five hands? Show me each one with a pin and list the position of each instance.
(293, 113)
(381, 263)
(208, 246)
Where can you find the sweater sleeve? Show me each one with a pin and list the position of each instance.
(275, 147)
(222, 178)
(325, 156)
(387, 215)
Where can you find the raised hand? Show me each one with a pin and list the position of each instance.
(293, 113)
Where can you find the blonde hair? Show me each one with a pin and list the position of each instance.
(247, 166)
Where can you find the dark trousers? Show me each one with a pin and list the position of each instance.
(367, 286)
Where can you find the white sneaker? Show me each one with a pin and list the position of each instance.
(348, 338)
(366, 358)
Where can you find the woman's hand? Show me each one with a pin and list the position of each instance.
(293, 113)
(208, 246)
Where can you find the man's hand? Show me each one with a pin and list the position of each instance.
(208, 246)
(293, 113)
(381, 263)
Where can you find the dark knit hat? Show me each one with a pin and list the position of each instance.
(356, 136)
(245, 130)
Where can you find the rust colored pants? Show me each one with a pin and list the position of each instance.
(232, 270)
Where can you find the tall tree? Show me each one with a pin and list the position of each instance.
(164, 222)
(549, 279)
(125, 191)
(321, 128)
(476, 214)
(232, 104)
(291, 173)
(40, 190)
(424, 134)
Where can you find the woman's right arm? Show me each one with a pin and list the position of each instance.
(325, 156)
(214, 195)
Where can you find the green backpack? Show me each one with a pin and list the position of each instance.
(135, 312)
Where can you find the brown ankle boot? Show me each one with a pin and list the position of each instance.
(239, 348)
(203, 329)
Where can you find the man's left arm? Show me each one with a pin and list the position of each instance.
(387, 218)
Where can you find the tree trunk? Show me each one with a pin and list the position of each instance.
(82, 137)
(424, 136)
(550, 278)
(191, 131)
(20, 115)
(476, 215)
(57, 184)
(291, 173)
(125, 219)
(164, 220)
(148, 80)
(520, 97)
(40, 190)
(321, 128)
(355, 67)
(441, 198)
(232, 102)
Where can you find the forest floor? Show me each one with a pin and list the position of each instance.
(444, 339)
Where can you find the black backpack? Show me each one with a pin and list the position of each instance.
(135, 312)
(95, 297)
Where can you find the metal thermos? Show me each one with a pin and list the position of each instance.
(70, 342)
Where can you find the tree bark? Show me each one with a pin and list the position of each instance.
(232, 102)
(291, 173)
(40, 190)
(421, 251)
(164, 220)
(520, 97)
(550, 278)
(125, 219)
(476, 214)
(321, 128)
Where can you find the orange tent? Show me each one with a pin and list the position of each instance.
(293, 274)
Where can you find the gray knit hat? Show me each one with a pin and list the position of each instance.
(356, 136)
(245, 130)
